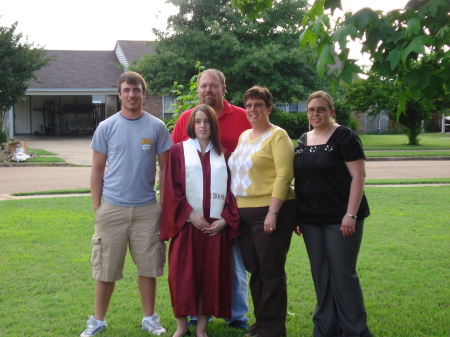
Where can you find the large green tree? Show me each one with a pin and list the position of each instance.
(249, 52)
(19, 62)
(410, 45)
(380, 95)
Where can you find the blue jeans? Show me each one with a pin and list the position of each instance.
(239, 289)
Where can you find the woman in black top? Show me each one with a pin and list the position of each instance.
(329, 182)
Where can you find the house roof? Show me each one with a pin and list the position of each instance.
(133, 50)
(86, 71)
(72, 69)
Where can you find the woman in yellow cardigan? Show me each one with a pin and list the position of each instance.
(261, 172)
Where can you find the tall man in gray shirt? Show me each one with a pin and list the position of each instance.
(124, 202)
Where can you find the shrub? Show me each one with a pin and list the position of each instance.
(295, 124)
(353, 124)
(302, 123)
(170, 123)
(186, 97)
(5, 155)
(343, 114)
(3, 137)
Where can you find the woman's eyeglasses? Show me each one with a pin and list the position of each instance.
(257, 105)
(320, 110)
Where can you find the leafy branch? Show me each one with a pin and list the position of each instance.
(409, 45)
(185, 99)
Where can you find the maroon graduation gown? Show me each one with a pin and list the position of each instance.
(199, 264)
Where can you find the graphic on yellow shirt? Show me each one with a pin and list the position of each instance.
(146, 143)
(241, 163)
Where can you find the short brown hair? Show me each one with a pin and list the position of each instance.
(131, 77)
(216, 72)
(213, 124)
(257, 92)
(321, 94)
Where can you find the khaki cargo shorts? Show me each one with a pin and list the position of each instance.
(117, 227)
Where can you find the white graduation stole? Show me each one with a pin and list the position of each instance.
(194, 179)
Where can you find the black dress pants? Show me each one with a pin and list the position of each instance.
(264, 257)
(340, 309)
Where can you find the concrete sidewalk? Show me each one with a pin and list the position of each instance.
(76, 151)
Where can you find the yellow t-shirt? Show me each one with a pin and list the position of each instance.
(262, 168)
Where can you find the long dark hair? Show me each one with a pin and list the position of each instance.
(213, 124)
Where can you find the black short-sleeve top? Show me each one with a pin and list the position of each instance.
(322, 180)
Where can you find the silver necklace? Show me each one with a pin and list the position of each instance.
(315, 139)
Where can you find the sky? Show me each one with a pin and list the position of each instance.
(98, 24)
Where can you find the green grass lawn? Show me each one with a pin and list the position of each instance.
(46, 288)
(41, 159)
(43, 156)
(407, 181)
(40, 152)
(367, 182)
(428, 141)
(411, 153)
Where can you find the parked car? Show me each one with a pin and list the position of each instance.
(447, 123)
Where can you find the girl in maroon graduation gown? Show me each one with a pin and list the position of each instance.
(200, 217)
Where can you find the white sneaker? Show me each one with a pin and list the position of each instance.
(91, 327)
(153, 325)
